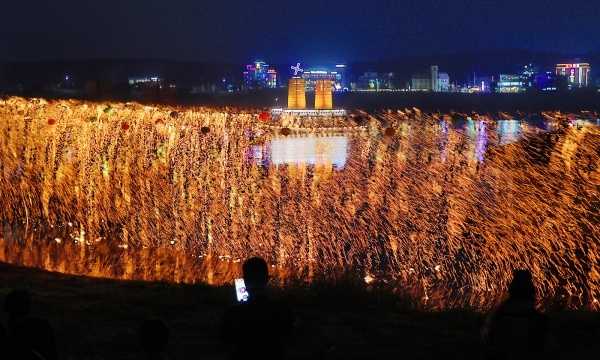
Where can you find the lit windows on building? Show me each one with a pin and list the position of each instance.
(546, 81)
(145, 81)
(271, 78)
(528, 75)
(577, 74)
(259, 75)
(510, 84)
(312, 76)
(443, 82)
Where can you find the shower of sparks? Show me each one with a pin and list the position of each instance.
(440, 207)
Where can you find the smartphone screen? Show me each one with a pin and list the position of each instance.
(240, 290)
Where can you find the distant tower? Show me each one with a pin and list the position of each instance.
(324, 95)
(434, 78)
(297, 94)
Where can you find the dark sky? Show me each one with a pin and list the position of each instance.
(284, 31)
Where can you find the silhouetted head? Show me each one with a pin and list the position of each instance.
(521, 287)
(154, 336)
(17, 304)
(256, 273)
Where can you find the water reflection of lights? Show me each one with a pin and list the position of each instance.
(298, 150)
(310, 150)
(509, 131)
(482, 141)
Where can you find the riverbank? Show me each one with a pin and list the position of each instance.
(97, 319)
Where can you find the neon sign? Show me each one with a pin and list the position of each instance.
(297, 69)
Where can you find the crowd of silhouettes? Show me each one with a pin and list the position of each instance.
(259, 327)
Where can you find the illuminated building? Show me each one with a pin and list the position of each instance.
(528, 75)
(145, 81)
(297, 94)
(546, 81)
(324, 95)
(443, 82)
(297, 98)
(375, 81)
(434, 78)
(337, 77)
(341, 78)
(259, 75)
(420, 83)
(430, 81)
(271, 78)
(577, 74)
(509, 83)
(145, 87)
(482, 84)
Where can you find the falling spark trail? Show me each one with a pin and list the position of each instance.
(439, 207)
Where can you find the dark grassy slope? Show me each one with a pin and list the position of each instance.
(97, 319)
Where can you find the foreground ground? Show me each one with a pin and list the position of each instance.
(97, 319)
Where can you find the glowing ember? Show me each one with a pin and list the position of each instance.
(443, 206)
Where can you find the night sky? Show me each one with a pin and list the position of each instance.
(236, 31)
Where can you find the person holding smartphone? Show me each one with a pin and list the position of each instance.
(257, 326)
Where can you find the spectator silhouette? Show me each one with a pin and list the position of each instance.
(516, 330)
(154, 338)
(28, 337)
(257, 328)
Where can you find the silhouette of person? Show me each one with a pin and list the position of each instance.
(154, 338)
(258, 327)
(516, 330)
(28, 337)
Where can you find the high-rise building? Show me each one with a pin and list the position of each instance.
(577, 75)
(323, 95)
(271, 78)
(297, 94)
(259, 75)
